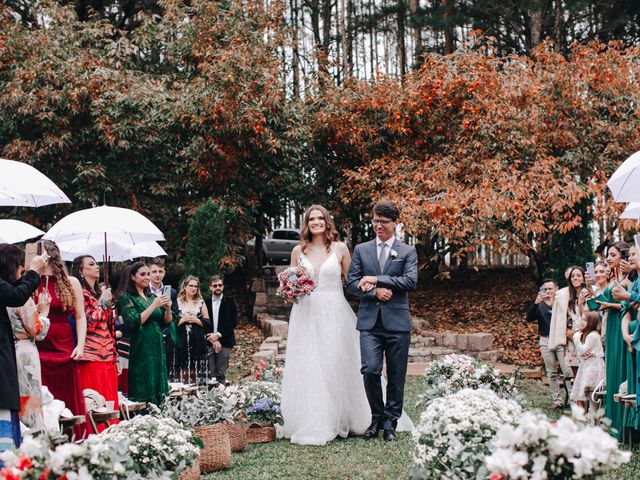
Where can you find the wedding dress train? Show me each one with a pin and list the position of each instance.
(323, 393)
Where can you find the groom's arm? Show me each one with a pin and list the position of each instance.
(355, 275)
(409, 278)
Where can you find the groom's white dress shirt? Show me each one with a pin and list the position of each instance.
(389, 244)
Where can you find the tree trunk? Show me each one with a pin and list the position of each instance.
(295, 54)
(557, 25)
(536, 22)
(373, 43)
(416, 24)
(449, 36)
(326, 32)
(349, 39)
(402, 48)
(321, 53)
(342, 31)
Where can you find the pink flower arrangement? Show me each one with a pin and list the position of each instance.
(295, 282)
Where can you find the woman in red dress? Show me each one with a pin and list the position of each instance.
(98, 365)
(60, 351)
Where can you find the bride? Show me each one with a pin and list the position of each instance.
(323, 392)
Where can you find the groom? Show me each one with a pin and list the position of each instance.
(382, 273)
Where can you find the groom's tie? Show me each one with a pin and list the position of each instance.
(382, 259)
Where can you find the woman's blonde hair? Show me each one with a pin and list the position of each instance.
(182, 295)
(64, 289)
(330, 233)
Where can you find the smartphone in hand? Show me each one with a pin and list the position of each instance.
(31, 250)
(591, 270)
(166, 290)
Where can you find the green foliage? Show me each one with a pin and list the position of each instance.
(215, 240)
(572, 248)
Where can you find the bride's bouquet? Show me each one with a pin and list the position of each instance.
(295, 282)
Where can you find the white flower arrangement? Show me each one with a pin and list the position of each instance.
(204, 408)
(94, 459)
(159, 447)
(453, 435)
(254, 391)
(455, 372)
(537, 448)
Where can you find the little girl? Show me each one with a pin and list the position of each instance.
(589, 348)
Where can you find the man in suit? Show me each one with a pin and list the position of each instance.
(382, 273)
(223, 318)
(157, 272)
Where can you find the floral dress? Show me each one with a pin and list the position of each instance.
(571, 356)
(28, 326)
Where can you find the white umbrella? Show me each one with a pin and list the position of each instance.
(108, 226)
(625, 181)
(97, 224)
(14, 231)
(632, 211)
(147, 249)
(117, 251)
(21, 185)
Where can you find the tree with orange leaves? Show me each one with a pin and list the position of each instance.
(480, 150)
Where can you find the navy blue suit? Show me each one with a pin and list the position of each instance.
(385, 327)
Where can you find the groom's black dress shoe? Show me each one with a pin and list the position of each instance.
(372, 431)
(389, 435)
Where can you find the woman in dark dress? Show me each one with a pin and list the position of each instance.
(192, 327)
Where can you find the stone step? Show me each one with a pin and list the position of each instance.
(266, 355)
(418, 342)
(272, 310)
(486, 356)
(428, 354)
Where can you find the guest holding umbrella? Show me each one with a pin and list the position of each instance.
(144, 315)
(14, 292)
(98, 365)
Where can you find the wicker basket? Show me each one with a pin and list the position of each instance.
(257, 433)
(192, 473)
(216, 454)
(237, 436)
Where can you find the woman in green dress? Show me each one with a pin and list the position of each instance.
(629, 315)
(615, 347)
(144, 315)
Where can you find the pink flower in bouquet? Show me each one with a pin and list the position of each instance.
(295, 282)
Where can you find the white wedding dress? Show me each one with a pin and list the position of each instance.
(323, 392)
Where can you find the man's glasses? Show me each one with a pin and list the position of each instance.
(375, 221)
(216, 285)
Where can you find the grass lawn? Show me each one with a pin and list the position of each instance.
(355, 458)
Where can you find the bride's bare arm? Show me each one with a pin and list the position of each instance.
(345, 258)
(295, 256)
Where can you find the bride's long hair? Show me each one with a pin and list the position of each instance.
(330, 232)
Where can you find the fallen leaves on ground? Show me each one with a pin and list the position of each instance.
(248, 340)
(492, 301)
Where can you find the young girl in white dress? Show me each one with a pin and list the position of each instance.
(589, 348)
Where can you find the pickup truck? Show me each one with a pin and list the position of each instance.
(278, 245)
